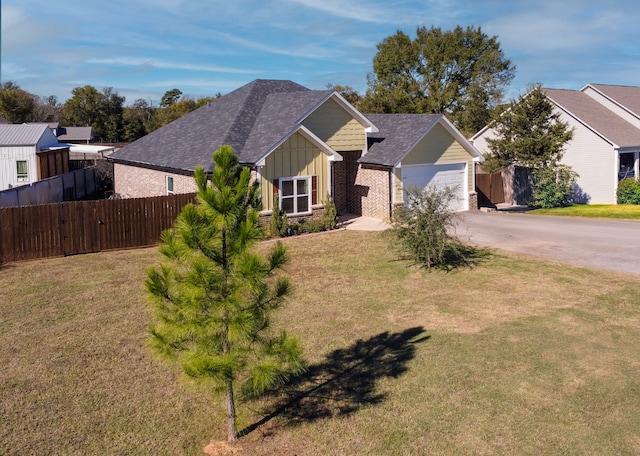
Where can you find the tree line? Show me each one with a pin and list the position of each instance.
(103, 110)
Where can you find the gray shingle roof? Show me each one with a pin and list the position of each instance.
(236, 119)
(21, 135)
(626, 96)
(596, 116)
(75, 133)
(397, 135)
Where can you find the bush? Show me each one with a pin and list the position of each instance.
(628, 191)
(422, 228)
(278, 224)
(553, 186)
(330, 214)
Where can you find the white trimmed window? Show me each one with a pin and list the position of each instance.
(22, 170)
(297, 194)
(169, 185)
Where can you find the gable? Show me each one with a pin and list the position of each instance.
(297, 156)
(437, 146)
(336, 127)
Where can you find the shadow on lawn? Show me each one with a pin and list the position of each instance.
(345, 381)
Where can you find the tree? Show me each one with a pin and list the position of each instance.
(136, 119)
(170, 97)
(213, 296)
(423, 227)
(111, 113)
(348, 93)
(529, 134)
(102, 111)
(461, 73)
(46, 109)
(83, 108)
(16, 105)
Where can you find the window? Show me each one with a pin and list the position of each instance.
(169, 185)
(297, 194)
(22, 170)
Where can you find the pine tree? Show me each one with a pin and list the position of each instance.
(212, 296)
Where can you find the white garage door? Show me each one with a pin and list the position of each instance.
(438, 177)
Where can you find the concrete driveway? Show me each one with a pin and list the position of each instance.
(593, 243)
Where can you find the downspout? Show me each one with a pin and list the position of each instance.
(391, 192)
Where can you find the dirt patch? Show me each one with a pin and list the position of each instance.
(221, 448)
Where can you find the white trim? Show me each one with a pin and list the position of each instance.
(304, 131)
(166, 182)
(294, 197)
(475, 154)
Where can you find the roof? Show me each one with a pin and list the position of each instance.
(625, 96)
(596, 116)
(75, 133)
(21, 135)
(399, 134)
(190, 140)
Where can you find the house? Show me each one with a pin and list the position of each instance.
(72, 135)
(606, 140)
(28, 153)
(301, 146)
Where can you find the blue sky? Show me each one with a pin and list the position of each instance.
(143, 48)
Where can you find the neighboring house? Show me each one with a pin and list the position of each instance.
(4, 121)
(72, 135)
(606, 140)
(28, 153)
(301, 146)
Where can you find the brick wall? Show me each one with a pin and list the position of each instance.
(134, 182)
(372, 190)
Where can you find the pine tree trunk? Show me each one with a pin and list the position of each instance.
(232, 433)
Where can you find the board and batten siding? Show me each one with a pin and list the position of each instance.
(336, 127)
(439, 147)
(595, 161)
(9, 155)
(297, 156)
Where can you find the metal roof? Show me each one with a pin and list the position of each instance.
(21, 135)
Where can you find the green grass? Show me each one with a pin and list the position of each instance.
(512, 357)
(619, 211)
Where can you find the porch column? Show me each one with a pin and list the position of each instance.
(636, 165)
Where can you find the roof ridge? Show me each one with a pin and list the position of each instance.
(252, 104)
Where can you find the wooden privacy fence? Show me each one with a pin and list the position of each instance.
(60, 229)
(490, 189)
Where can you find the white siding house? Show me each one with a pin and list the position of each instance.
(606, 137)
(19, 145)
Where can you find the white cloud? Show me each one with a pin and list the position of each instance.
(144, 62)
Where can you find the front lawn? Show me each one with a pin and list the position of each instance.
(512, 357)
(619, 211)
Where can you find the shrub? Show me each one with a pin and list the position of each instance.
(330, 214)
(278, 224)
(553, 186)
(628, 191)
(422, 228)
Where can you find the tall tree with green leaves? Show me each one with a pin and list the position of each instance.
(102, 111)
(213, 295)
(16, 105)
(461, 73)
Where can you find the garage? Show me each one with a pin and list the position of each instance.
(452, 175)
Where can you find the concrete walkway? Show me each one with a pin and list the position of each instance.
(359, 223)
